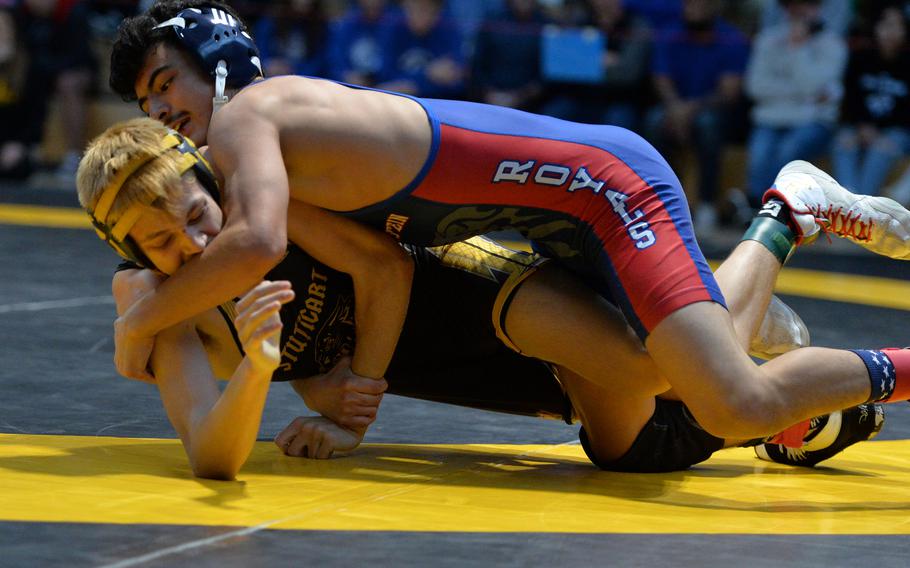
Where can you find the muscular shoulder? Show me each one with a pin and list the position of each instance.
(270, 99)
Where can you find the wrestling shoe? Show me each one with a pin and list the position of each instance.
(818, 203)
(827, 436)
(781, 330)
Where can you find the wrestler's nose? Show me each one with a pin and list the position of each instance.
(159, 110)
(196, 241)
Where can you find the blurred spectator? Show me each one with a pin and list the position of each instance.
(355, 52)
(424, 52)
(469, 15)
(13, 162)
(660, 14)
(745, 14)
(506, 62)
(698, 67)
(875, 116)
(794, 78)
(626, 62)
(837, 15)
(55, 36)
(292, 38)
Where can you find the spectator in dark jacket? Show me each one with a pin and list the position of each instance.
(506, 62)
(13, 156)
(626, 63)
(55, 35)
(875, 116)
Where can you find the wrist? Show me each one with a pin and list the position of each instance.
(134, 321)
(258, 370)
(355, 369)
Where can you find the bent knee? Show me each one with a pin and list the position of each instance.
(735, 415)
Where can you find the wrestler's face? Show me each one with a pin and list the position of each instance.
(171, 88)
(171, 238)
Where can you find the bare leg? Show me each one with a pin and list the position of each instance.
(555, 318)
(589, 338)
(746, 280)
(697, 350)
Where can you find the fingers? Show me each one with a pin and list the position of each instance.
(258, 307)
(305, 438)
(251, 322)
(283, 439)
(370, 389)
(263, 288)
(358, 422)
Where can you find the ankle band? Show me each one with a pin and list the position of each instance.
(900, 360)
(773, 235)
(881, 374)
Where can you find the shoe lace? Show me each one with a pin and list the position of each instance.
(843, 224)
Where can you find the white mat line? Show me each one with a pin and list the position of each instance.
(55, 304)
(191, 545)
(250, 530)
(99, 344)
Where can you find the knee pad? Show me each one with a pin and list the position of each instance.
(671, 441)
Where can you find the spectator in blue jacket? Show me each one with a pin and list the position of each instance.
(355, 51)
(424, 52)
(506, 64)
(875, 115)
(292, 38)
(698, 69)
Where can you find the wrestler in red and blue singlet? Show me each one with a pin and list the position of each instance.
(598, 198)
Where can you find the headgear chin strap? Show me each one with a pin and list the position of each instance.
(116, 235)
(220, 43)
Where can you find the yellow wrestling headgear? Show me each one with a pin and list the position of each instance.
(117, 235)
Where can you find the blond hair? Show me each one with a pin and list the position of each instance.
(156, 183)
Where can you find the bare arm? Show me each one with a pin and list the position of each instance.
(381, 271)
(349, 401)
(217, 429)
(252, 241)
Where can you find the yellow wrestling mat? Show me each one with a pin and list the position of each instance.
(462, 488)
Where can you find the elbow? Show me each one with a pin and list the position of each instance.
(262, 252)
(212, 469)
(397, 264)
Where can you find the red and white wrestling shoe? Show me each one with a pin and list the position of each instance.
(818, 203)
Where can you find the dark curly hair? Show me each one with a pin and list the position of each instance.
(137, 36)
